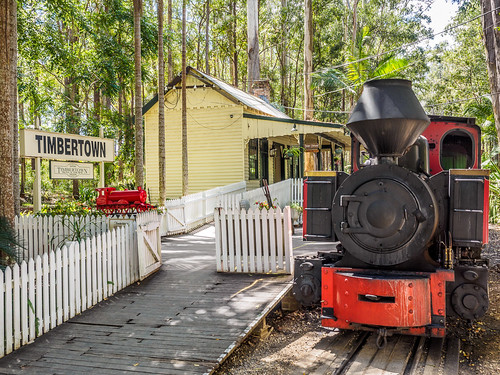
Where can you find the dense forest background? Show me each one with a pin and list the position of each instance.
(76, 62)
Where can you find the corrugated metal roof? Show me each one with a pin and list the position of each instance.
(243, 97)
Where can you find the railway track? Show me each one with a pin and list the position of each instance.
(352, 352)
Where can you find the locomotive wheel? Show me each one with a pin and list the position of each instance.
(470, 301)
(384, 215)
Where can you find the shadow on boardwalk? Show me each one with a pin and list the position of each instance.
(182, 320)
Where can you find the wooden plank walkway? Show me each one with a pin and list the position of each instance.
(184, 319)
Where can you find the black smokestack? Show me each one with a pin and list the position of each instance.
(388, 117)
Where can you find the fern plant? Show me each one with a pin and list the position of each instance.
(9, 244)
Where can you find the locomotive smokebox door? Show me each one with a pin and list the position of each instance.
(319, 190)
(385, 215)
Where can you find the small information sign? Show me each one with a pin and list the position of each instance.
(64, 170)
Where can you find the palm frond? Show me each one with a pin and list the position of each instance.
(389, 67)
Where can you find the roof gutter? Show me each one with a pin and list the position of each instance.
(293, 121)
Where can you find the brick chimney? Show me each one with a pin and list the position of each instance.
(262, 89)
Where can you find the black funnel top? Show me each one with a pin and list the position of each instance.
(388, 117)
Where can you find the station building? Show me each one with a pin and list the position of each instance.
(234, 136)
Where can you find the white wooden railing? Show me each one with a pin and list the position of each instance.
(38, 295)
(282, 193)
(42, 234)
(191, 211)
(253, 240)
(185, 214)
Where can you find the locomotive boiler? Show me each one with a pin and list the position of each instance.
(410, 221)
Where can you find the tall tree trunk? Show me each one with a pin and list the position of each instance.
(8, 66)
(207, 40)
(122, 135)
(308, 54)
(72, 127)
(354, 24)
(169, 52)
(23, 160)
(97, 103)
(284, 57)
(161, 104)
(198, 47)
(234, 58)
(253, 42)
(139, 171)
(491, 36)
(185, 179)
(15, 156)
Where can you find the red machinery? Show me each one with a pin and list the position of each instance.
(112, 201)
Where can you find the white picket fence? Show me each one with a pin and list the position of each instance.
(253, 241)
(38, 295)
(194, 210)
(42, 234)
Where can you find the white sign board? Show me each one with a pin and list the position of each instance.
(66, 170)
(115, 223)
(41, 144)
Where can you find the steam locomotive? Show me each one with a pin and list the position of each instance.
(410, 221)
(112, 201)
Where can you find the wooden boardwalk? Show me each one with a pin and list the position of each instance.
(185, 319)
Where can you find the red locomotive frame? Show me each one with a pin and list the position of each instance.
(112, 201)
(411, 303)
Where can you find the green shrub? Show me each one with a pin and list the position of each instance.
(9, 244)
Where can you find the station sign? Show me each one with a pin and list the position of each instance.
(67, 170)
(36, 143)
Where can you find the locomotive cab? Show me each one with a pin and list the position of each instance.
(410, 223)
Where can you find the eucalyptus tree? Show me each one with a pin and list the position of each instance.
(169, 48)
(308, 60)
(185, 172)
(490, 21)
(253, 42)
(8, 63)
(139, 154)
(207, 37)
(161, 104)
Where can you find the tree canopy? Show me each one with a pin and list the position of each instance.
(76, 59)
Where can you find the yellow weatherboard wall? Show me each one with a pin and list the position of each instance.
(215, 149)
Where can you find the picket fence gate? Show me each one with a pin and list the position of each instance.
(38, 295)
(253, 241)
(149, 243)
(41, 234)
